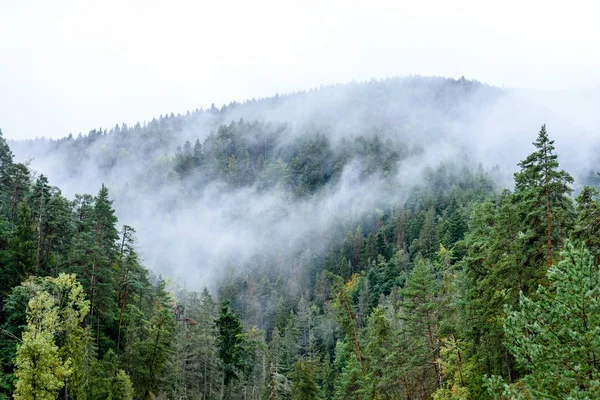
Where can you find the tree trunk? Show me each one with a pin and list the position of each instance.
(39, 242)
(432, 349)
(508, 370)
(49, 249)
(123, 240)
(97, 330)
(93, 284)
(14, 202)
(356, 343)
(223, 388)
(460, 374)
(204, 377)
(548, 213)
(406, 391)
(548, 219)
(121, 317)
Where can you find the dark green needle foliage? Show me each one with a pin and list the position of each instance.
(230, 342)
(455, 291)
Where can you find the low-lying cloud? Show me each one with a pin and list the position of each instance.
(192, 235)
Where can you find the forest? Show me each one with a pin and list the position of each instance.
(384, 280)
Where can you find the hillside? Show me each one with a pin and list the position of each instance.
(395, 239)
(242, 176)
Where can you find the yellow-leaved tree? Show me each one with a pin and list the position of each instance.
(54, 335)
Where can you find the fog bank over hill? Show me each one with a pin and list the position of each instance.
(278, 178)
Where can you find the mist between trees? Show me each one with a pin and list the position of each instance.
(355, 242)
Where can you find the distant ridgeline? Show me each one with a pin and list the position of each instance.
(274, 140)
(442, 287)
(266, 142)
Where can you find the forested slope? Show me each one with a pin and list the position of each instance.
(80, 314)
(353, 266)
(226, 185)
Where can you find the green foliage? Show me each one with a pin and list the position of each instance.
(510, 243)
(457, 372)
(542, 191)
(420, 313)
(40, 372)
(351, 379)
(278, 385)
(151, 350)
(555, 336)
(379, 349)
(230, 342)
(587, 224)
(417, 301)
(47, 344)
(44, 358)
(109, 381)
(304, 380)
(23, 247)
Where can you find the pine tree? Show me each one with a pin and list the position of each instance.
(193, 369)
(306, 322)
(19, 188)
(455, 226)
(108, 381)
(93, 254)
(59, 230)
(304, 380)
(427, 243)
(381, 371)
(39, 200)
(587, 225)
(508, 250)
(346, 313)
(22, 248)
(457, 371)
(230, 343)
(158, 335)
(6, 167)
(493, 274)
(278, 386)
(420, 311)
(290, 345)
(130, 277)
(105, 240)
(555, 336)
(351, 378)
(542, 191)
(209, 369)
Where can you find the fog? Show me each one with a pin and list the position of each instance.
(194, 234)
(68, 66)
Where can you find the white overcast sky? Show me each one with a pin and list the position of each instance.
(70, 66)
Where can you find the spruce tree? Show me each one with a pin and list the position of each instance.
(381, 368)
(555, 335)
(230, 343)
(420, 312)
(304, 380)
(159, 334)
(542, 191)
(19, 188)
(22, 248)
(6, 167)
(587, 225)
